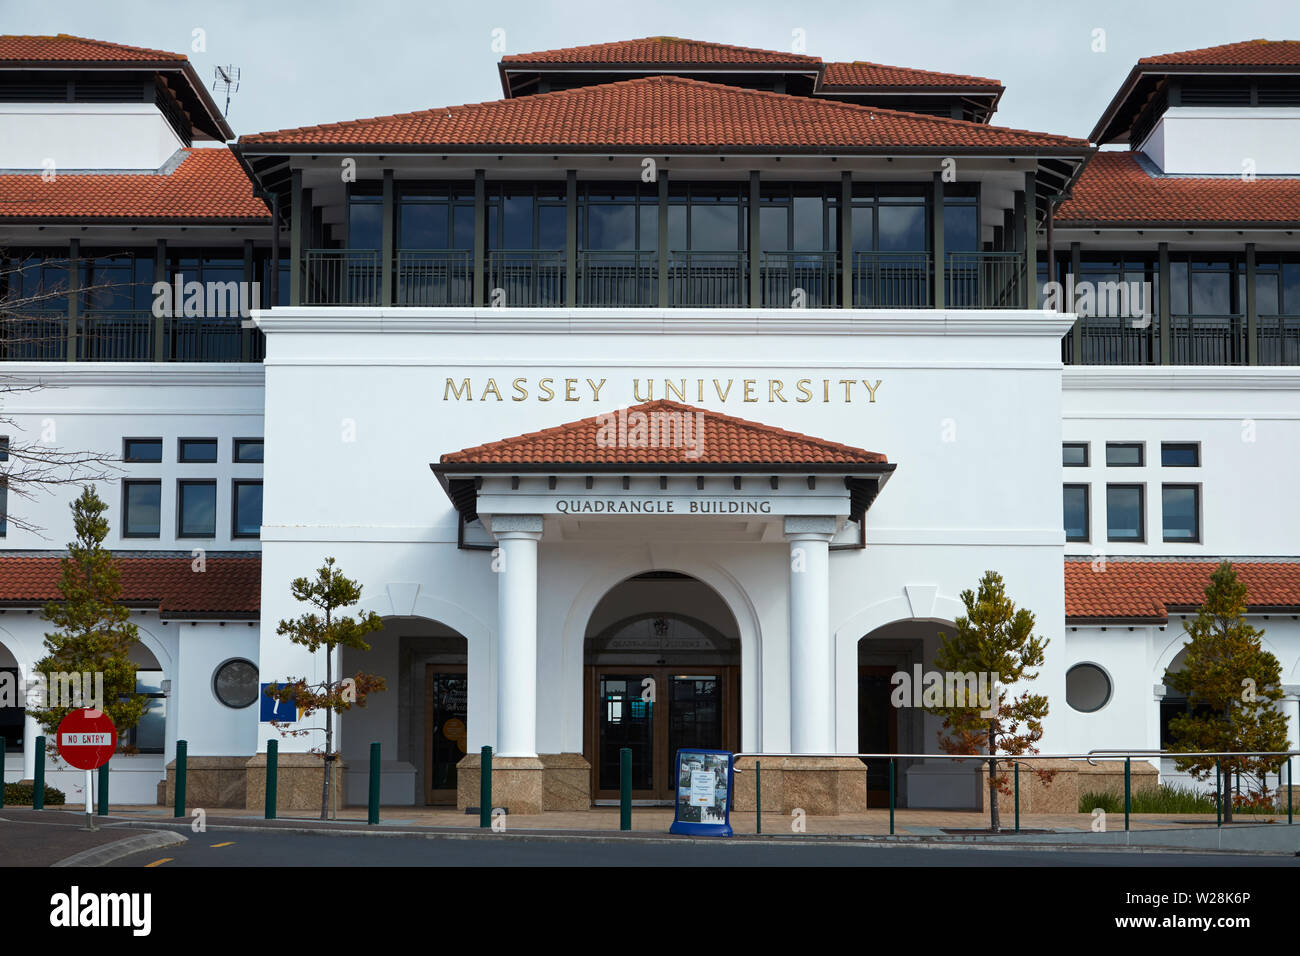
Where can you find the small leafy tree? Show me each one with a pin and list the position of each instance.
(327, 592)
(993, 638)
(94, 634)
(1232, 685)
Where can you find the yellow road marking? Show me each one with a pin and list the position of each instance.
(166, 859)
(231, 843)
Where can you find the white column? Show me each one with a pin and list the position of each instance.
(811, 684)
(30, 730)
(516, 566)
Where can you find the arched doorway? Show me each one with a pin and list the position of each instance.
(662, 672)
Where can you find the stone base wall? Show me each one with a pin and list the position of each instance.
(819, 786)
(528, 785)
(299, 778)
(209, 782)
(1069, 780)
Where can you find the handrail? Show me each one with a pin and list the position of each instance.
(1091, 756)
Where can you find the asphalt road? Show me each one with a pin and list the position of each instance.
(240, 849)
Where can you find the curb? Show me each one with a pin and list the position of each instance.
(103, 855)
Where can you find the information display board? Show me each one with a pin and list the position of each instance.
(703, 805)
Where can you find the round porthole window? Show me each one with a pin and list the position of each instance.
(235, 683)
(1087, 688)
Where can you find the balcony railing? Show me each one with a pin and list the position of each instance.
(985, 280)
(1114, 341)
(133, 336)
(36, 336)
(341, 277)
(435, 277)
(1208, 339)
(618, 279)
(802, 280)
(709, 279)
(891, 280)
(1279, 340)
(525, 277)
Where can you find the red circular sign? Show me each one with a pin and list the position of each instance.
(87, 738)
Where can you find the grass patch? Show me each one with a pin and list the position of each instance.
(1167, 798)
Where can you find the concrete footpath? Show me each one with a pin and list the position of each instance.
(57, 835)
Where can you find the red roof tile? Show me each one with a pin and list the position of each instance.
(227, 587)
(65, 48)
(208, 184)
(662, 112)
(720, 440)
(863, 75)
(1246, 53)
(660, 52)
(1114, 188)
(1146, 590)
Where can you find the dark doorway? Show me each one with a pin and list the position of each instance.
(877, 728)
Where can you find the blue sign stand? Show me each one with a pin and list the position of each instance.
(703, 805)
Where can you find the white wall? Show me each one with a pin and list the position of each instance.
(1205, 139)
(85, 136)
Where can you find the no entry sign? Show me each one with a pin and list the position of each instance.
(87, 738)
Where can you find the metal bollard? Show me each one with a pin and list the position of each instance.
(758, 796)
(1128, 789)
(373, 816)
(485, 788)
(272, 776)
(1015, 775)
(1218, 794)
(182, 747)
(625, 788)
(891, 796)
(38, 785)
(103, 791)
(1289, 816)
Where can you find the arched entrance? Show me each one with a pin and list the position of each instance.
(662, 672)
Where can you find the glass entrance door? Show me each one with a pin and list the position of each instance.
(655, 711)
(445, 695)
(877, 729)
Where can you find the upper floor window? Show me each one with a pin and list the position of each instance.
(1125, 513)
(890, 218)
(196, 509)
(1185, 454)
(1124, 454)
(1277, 285)
(1074, 454)
(798, 218)
(523, 216)
(247, 449)
(246, 509)
(365, 217)
(435, 216)
(141, 508)
(1181, 512)
(1206, 286)
(961, 222)
(1076, 513)
(618, 217)
(197, 450)
(142, 449)
(706, 217)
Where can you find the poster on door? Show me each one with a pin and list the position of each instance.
(703, 793)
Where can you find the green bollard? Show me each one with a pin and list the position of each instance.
(1128, 789)
(272, 776)
(1015, 776)
(758, 796)
(625, 788)
(485, 789)
(181, 747)
(1289, 816)
(38, 785)
(373, 817)
(891, 796)
(1218, 795)
(103, 791)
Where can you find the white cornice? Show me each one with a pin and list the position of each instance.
(1174, 377)
(800, 322)
(55, 374)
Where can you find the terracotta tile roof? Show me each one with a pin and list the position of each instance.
(68, 49)
(208, 184)
(660, 51)
(1114, 188)
(665, 112)
(725, 441)
(228, 586)
(1147, 590)
(1246, 53)
(860, 75)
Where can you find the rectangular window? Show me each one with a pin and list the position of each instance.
(1124, 454)
(141, 507)
(150, 734)
(1181, 507)
(1125, 520)
(246, 509)
(196, 509)
(247, 449)
(1180, 454)
(1074, 454)
(11, 714)
(202, 450)
(142, 449)
(1076, 512)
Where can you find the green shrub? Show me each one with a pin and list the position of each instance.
(20, 795)
(1167, 798)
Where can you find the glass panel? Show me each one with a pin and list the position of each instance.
(902, 228)
(248, 508)
(864, 218)
(365, 222)
(462, 228)
(1180, 455)
(1076, 512)
(626, 720)
(142, 449)
(1291, 288)
(677, 227)
(143, 504)
(1074, 454)
(1123, 455)
(694, 714)
(960, 228)
(649, 226)
(249, 449)
(715, 228)
(517, 213)
(808, 223)
(422, 225)
(874, 737)
(450, 694)
(1211, 293)
(198, 509)
(1124, 512)
(1268, 293)
(774, 228)
(551, 227)
(1178, 287)
(611, 227)
(1180, 513)
(11, 715)
(198, 450)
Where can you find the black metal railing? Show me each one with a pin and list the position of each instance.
(892, 280)
(434, 277)
(985, 280)
(1116, 341)
(800, 280)
(618, 278)
(35, 336)
(709, 279)
(1207, 339)
(1279, 339)
(341, 277)
(125, 335)
(525, 277)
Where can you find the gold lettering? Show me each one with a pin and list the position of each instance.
(545, 386)
(872, 388)
(670, 388)
(462, 392)
(519, 388)
(650, 386)
(699, 386)
(717, 387)
(569, 385)
(804, 390)
(491, 388)
(595, 389)
(774, 386)
(749, 390)
(848, 384)
(826, 390)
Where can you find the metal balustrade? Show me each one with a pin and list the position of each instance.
(709, 279)
(618, 278)
(985, 280)
(892, 280)
(35, 336)
(1207, 339)
(525, 277)
(1279, 339)
(434, 277)
(341, 277)
(800, 279)
(1114, 341)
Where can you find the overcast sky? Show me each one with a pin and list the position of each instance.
(315, 62)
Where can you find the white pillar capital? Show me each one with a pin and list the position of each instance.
(514, 525)
(809, 527)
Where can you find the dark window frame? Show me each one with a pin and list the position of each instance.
(1141, 446)
(216, 673)
(181, 484)
(1087, 454)
(132, 735)
(126, 442)
(234, 451)
(1194, 445)
(126, 510)
(1087, 511)
(1196, 511)
(234, 509)
(1142, 512)
(180, 451)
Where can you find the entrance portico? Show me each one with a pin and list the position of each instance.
(661, 473)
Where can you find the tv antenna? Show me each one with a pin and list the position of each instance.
(226, 78)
